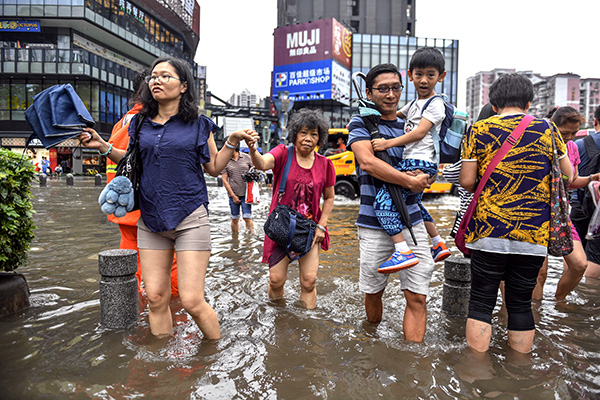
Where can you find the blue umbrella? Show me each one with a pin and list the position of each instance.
(57, 114)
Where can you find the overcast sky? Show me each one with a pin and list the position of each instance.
(543, 36)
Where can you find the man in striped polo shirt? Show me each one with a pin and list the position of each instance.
(383, 88)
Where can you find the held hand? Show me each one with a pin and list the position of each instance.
(418, 172)
(90, 139)
(243, 134)
(419, 183)
(379, 144)
(252, 142)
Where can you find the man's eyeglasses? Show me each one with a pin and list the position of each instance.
(165, 78)
(386, 89)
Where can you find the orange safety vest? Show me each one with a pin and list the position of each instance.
(119, 138)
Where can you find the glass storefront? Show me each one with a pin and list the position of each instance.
(107, 103)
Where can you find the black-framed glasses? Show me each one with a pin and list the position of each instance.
(164, 78)
(386, 89)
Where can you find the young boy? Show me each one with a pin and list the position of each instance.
(426, 69)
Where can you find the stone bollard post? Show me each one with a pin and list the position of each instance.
(457, 286)
(14, 293)
(69, 179)
(118, 288)
(43, 179)
(98, 180)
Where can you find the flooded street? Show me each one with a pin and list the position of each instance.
(271, 350)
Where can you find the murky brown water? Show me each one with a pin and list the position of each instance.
(57, 349)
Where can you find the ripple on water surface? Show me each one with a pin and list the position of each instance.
(269, 350)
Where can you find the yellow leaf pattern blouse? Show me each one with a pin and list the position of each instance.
(515, 202)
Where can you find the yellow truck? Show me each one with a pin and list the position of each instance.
(345, 169)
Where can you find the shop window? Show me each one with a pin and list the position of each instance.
(33, 88)
(4, 99)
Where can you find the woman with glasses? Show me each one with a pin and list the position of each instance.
(175, 145)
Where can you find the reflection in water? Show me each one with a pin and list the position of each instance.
(57, 349)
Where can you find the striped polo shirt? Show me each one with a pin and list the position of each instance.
(369, 185)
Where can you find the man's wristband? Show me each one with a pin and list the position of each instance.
(107, 151)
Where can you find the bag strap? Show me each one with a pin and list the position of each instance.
(504, 149)
(138, 127)
(432, 98)
(286, 171)
(591, 148)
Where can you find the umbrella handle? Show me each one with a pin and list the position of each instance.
(355, 77)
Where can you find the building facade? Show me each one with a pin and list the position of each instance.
(245, 99)
(549, 91)
(478, 88)
(383, 32)
(589, 99)
(98, 46)
(370, 50)
(381, 17)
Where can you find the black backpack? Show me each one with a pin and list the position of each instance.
(584, 195)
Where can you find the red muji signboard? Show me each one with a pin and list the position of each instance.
(324, 39)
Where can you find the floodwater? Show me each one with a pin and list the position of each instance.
(57, 349)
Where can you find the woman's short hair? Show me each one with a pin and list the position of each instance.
(311, 119)
(566, 114)
(511, 90)
(188, 105)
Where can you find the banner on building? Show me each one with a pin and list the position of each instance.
(315, 80)
(312, 61)
(313, 41)
(19, 26)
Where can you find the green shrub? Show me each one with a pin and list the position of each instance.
(16, 211)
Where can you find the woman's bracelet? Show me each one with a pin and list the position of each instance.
(107, 151)
(229, 145)
(321, 228)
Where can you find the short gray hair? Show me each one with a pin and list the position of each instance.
(311, 119)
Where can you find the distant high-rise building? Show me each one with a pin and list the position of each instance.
(478, 88)
(549, 91)
(589, 99)
(244, 99)
(381, 17)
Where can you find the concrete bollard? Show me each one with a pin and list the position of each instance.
(43, 179)
(118, 288)
(15, 293)
(98, 180)
(69, 179)
(457, 286)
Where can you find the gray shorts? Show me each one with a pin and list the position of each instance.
(376, 246)
(193, 233)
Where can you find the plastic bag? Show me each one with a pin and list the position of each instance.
(594, 226)
(252, 193)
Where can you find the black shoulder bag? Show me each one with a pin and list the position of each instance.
(130, 166)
